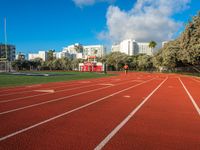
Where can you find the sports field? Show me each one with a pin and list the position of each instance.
(136, 111)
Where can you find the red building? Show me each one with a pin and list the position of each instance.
(91, 66)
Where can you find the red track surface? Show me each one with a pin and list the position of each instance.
(134, 111)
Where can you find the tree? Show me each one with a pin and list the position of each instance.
(190, 42)
(157, 60)
(50, 55)
(17, 64)
(152, 44)
(66, 63)
(144, 62)
(75, 63)
(183, 51)
(116, 59)
(50, 64)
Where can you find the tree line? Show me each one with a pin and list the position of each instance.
(55, 64)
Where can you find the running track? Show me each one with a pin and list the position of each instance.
(135, 111)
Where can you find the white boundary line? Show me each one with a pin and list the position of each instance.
(119, 126)
(69, 112)
(19, 98)
(58, 99)
(32, 87)
(53, 100)
(71, 85)
(33, 90)
(64, 83)
(191, 98)
(36, 95)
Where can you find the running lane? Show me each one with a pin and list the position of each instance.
(38, 112)
(35, 89)
(193, 87)
(85, 127)
(35, 99)
(168, 120)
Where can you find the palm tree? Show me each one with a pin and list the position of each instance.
(152, 44)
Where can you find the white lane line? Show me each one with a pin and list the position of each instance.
(45, 91)
(53, 100)
(127, 96)
(119, 126)
(191, 98)
(65, 84)
(36, 95)
(107, 84)
(58, 99)
(68, 85)
(20, 98)
(36, 85)
(31, 90)
(71, 111)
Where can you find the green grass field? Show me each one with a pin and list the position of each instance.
(7, 80)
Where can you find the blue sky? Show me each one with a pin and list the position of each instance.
(34, 25)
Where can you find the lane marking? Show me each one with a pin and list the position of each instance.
(19, 98)
(127, 96)
(32, 90)
(191, 98)
(69, 85)
(107, 84)
(57, 99)
(53, 100)
(45, 91)
(136, 80)
(69, 112)
(119, 126)
(46, 102)
(30, 86)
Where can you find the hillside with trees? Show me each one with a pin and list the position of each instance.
(184, 51)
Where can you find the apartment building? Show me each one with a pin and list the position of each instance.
(7, 52)
(132, 47)
(40, 54)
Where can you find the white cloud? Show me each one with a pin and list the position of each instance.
(147, 20)
(81, 3)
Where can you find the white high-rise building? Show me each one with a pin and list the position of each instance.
(115, 48)
(41, 54)
(94, 50)
(82, 52)
(131, 47)
(143, 48)
(74, 51)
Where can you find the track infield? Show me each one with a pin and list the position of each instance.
(134, 111)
